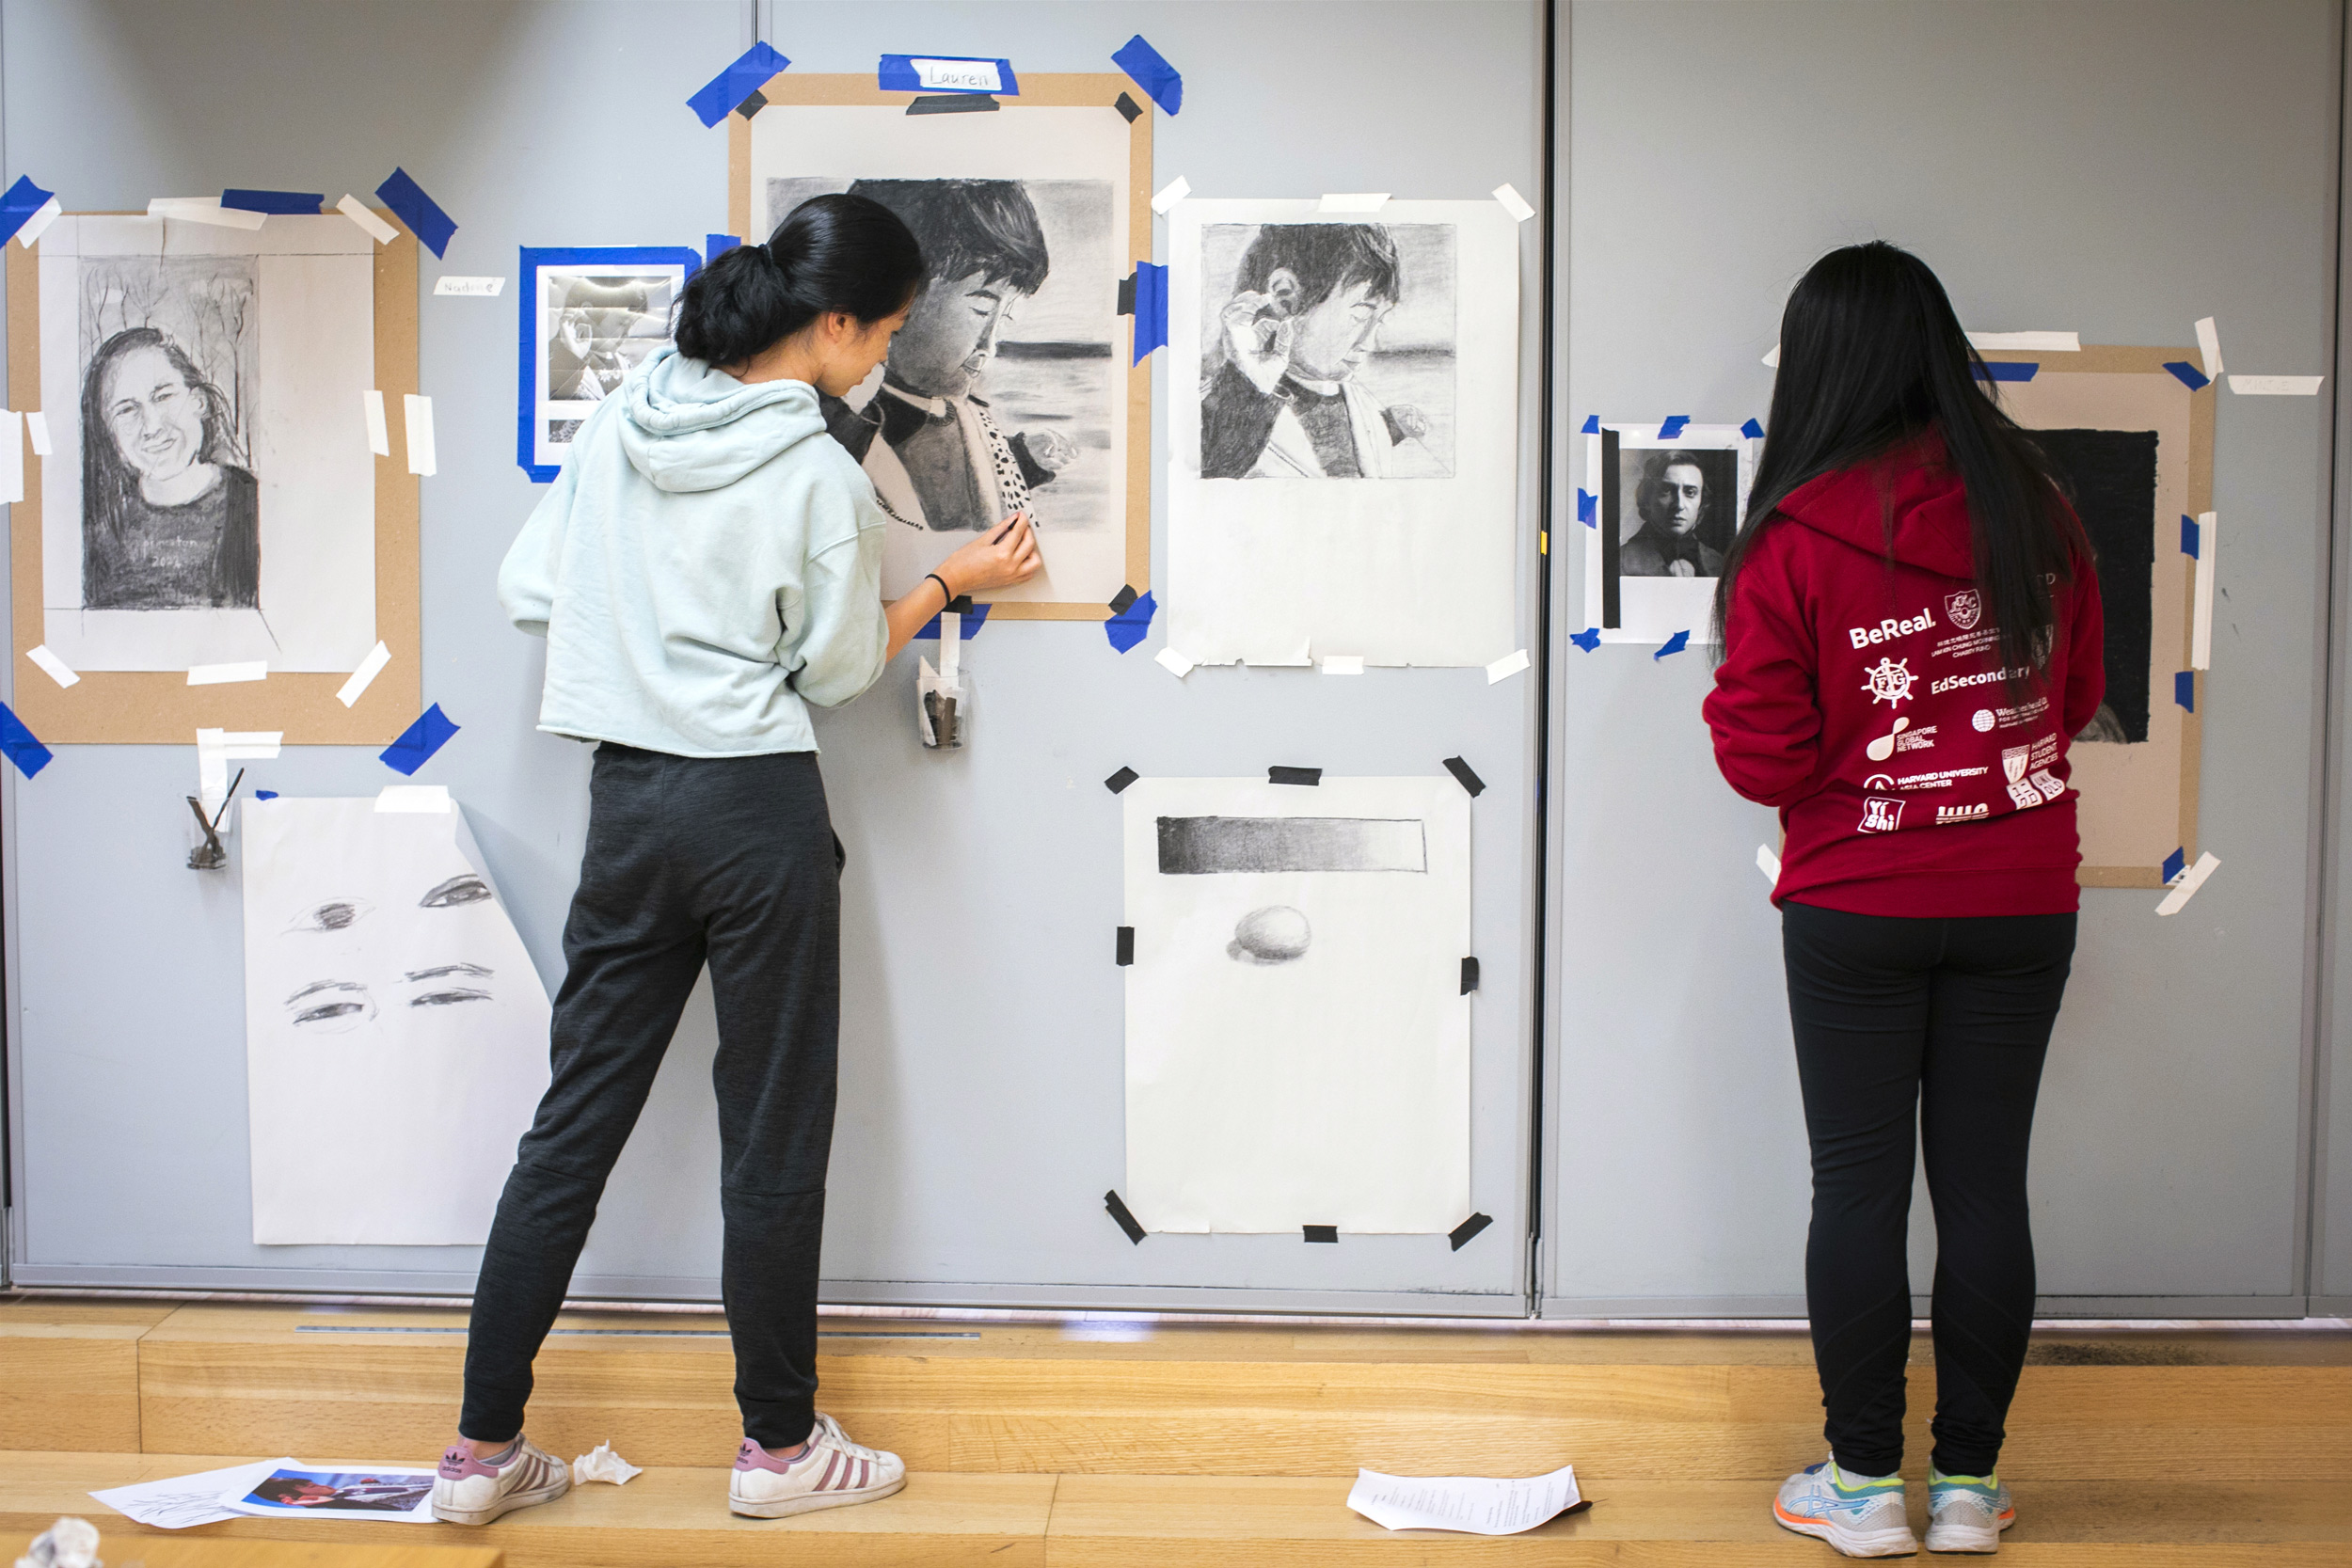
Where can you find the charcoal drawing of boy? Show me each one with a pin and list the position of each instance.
(1306, 313)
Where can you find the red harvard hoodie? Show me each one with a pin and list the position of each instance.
(1864, 698)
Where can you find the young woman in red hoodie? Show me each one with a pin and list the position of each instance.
(1911, 634)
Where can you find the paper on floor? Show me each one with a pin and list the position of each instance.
(602, 1463)
(71, 1542)
(1472, 1504)
(184, 1500)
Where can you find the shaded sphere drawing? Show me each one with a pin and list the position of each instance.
(1274, 935)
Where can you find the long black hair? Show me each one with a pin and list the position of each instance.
(1873, 356)
(833, 252)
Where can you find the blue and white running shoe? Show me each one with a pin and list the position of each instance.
(1859, 1515)
(1967, 1514)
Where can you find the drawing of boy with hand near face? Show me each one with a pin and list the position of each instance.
(1308, 302)
(936, 455)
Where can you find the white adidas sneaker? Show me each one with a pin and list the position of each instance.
(467, 1492)
(834, 1473)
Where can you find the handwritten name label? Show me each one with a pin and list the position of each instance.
(958, 75)
(479, 288)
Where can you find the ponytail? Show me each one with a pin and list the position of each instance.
(832, 253)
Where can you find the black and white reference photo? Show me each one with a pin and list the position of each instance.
(1331, 351)
(1675, 510)
(995, 396)
(171, 512)
(597, 327)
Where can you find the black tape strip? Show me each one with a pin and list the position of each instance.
(1129, 107)
(1294, 775)
(1126, 945)
(1120, 779)
(1127, 295)
(962, 606)
(1461, 1234)
(1124, 599)
(1321, 1233)
(1470, 976)
(953, 103)
(1610, 615)
(1464, 776)
(1119, 1211)
(751, 104)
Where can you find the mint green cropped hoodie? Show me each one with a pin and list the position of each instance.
(707, 565)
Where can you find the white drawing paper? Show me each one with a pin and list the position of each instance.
(1297, 1041)
(1343, 432)
(1006, 390)
(182, 1501)
(1673, 504)
(1475, 1504)
(396, 1030)
(211, 500)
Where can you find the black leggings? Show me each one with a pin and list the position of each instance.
(1947, 1021)
(729, 860)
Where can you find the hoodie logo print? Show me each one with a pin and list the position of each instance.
(1965, 608)
(1889, 681)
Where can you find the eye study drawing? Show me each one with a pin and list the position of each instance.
(1333, 347)
(170, 510)
(991, 400)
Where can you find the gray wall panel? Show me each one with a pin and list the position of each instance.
(2116, 169)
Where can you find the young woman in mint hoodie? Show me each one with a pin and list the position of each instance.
(707, 565)
(1912, 637)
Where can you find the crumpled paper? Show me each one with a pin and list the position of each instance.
(603, 1464)
(71, 1542)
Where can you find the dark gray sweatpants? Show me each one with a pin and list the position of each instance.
(729, 860)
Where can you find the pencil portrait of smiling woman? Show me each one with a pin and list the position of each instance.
(170, 515)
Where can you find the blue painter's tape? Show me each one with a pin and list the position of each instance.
(23, 200)
(1154, 75)
(2184, 690)
(1673, 644)
(1587, 640)
(266, 795)
(973, 619)
(304, 203)
(1150, 309)
(1126, 628)
(2009, 371)
(2188, 534)
(2191, 378)
(418, 741)
(723, 92)
(2174, 863)
(716, 246)
(529, 358)
(1752, 430)
(28, 754)
(419, 211)
(898, 75)
(1592, 425)
(1587, 508)
(1673, 427)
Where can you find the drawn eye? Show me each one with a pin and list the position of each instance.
(458, 890)
(336, 914)
(331, 1007)
(445, 998)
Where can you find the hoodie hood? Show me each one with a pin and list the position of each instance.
(1915, 487)
(687, 426)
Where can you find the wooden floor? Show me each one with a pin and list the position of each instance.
(1225, 1446)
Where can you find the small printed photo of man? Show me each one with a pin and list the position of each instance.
(1675, 511)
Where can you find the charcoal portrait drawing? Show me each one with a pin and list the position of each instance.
(992, 401)
(1333, 348)
(170, 509)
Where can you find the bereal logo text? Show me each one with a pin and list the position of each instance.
(1890, 628)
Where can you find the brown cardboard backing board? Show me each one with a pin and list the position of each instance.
(147, 707)
(2139, 801)
(1068, 89)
